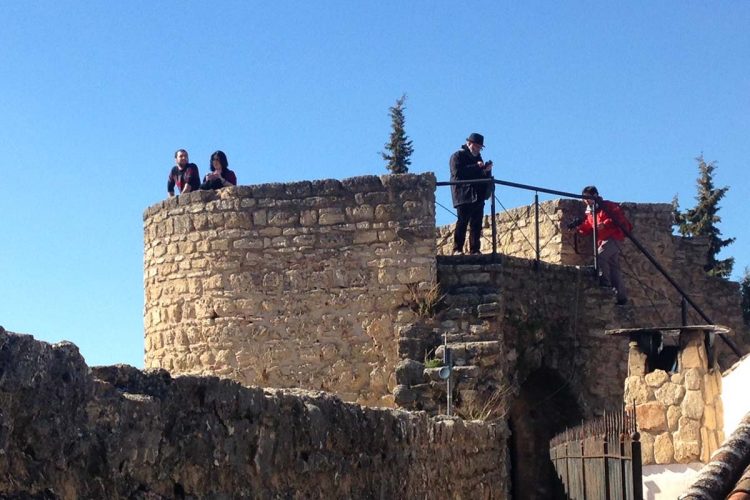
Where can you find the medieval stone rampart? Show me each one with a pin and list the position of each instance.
(289, 285)
(683, 258)
(69, 432)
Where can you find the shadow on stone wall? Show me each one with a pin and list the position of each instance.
(68, 431)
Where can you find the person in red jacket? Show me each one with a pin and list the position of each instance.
(608, 238)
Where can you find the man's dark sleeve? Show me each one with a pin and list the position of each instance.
(192, 177)
(454, 166)
(464, 172)
(170, 182)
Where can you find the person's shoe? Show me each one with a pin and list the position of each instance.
(621, 302)
(457, 251)
(475, 252)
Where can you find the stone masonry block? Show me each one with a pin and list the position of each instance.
(663, 449)
(693, 379)
(636, 391)
(652, 417)
(670, 394)
(692, 405)
(657, 378)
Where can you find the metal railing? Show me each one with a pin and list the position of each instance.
(685, 299)
(600, 459)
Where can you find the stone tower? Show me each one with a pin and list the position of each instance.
(289, 285)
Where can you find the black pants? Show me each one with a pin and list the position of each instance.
(469, 215)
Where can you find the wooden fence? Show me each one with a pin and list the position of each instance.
(600, 459)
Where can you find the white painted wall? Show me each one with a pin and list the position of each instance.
(735, 394)
(667, 481)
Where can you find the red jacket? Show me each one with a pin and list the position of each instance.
(606, 228)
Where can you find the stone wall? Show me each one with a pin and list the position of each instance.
(504, 321)
(683, 258)
(679, 413)
(289, 285)
(68, 431)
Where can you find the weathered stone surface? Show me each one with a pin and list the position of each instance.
(670, 394)
(301, 284)
(403, 395)
(673, 417)
(692, 404)
(693, 356)
(712, 386)
(657, 378)
(116, 432)
(636, 361)
(647, 449)
(663, 449)
(652, 417)
(693, 378)
(410, 372)
(637, 391)
(687, 441)
(689, 429)
(709, 417)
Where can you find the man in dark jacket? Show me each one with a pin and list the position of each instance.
(468, 199)
(184, 175)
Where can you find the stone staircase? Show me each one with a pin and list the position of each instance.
(467, 322)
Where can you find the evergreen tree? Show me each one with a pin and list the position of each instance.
(745, 289)
(702, 219)
(398, 149)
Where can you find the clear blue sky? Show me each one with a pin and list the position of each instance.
(96, 96)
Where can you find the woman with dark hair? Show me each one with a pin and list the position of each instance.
(220, 176)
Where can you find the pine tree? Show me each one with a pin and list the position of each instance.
(398, 149)
(745, 289)
(702, 219)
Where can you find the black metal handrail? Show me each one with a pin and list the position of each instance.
(685, 298)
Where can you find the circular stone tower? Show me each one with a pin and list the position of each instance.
(289, 285)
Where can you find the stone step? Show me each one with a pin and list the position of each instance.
(469, 296)
(464, 337)
(467, 328)
(482, 353)
(472, 292)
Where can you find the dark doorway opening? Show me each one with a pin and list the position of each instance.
(544, 407)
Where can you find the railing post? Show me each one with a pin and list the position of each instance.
(637, 471)
(494, 223)
(583, 465)
(605, 449)
(536, 227)
(683, 311)
(594, 207)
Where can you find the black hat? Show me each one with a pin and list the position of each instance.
(476, 138)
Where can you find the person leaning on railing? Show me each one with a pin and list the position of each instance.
(468, 199)
(608, 238)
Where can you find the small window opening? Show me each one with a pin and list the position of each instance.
(661, 352)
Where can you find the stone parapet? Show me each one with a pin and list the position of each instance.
(68, 431)
(289, 285)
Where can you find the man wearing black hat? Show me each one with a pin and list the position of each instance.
(468, 199)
